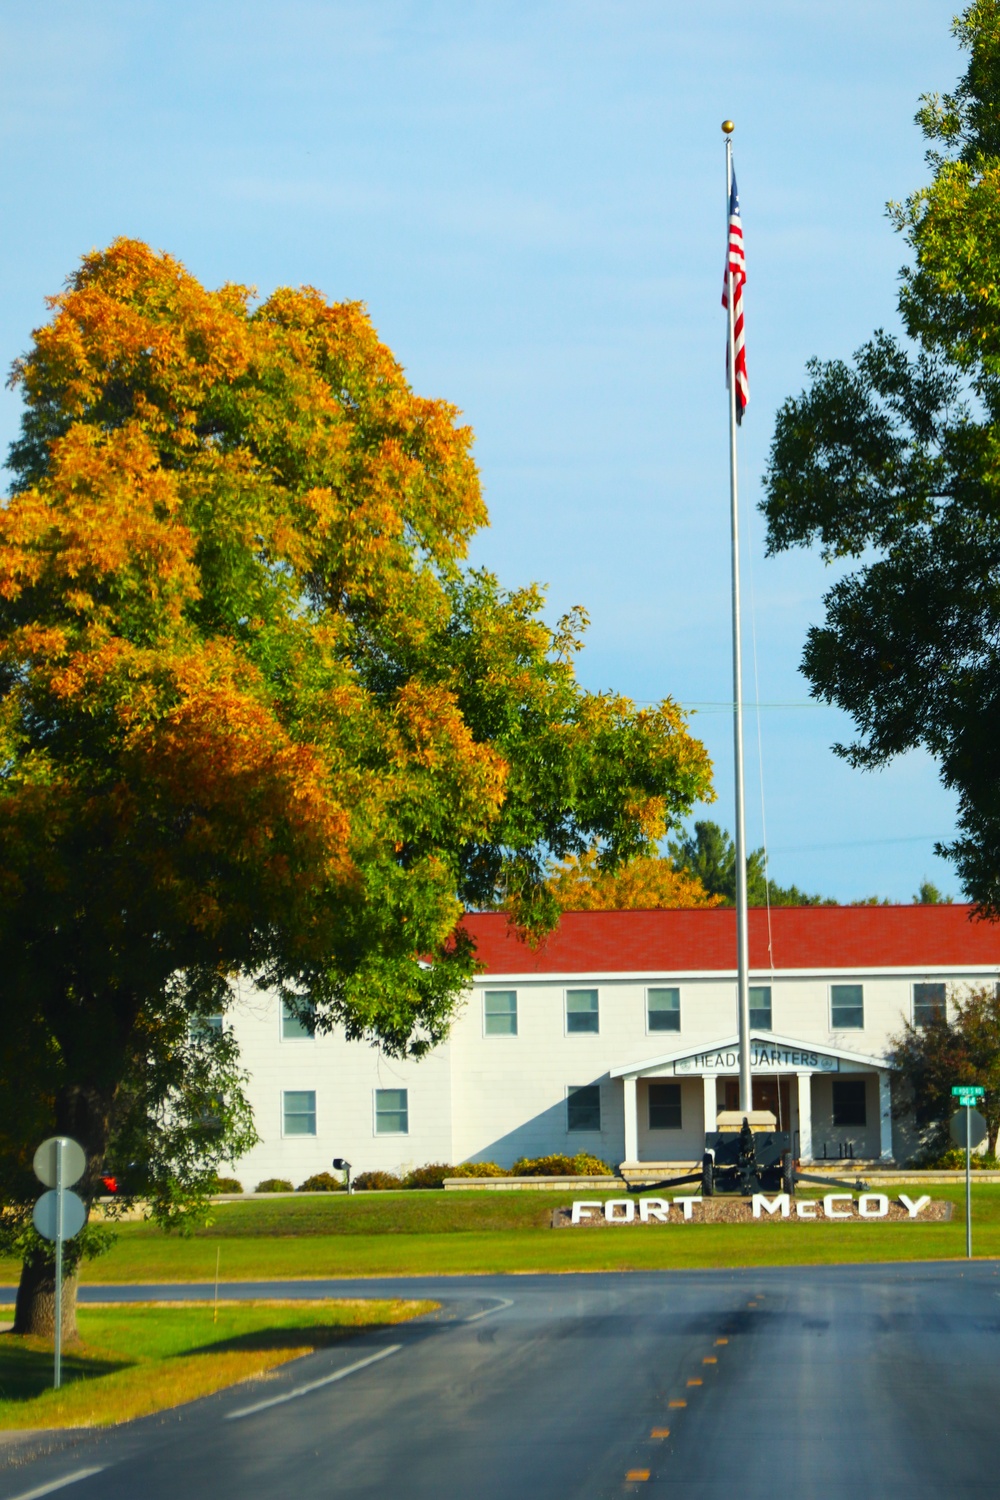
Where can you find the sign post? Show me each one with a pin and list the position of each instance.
(968, 1130)
(59, 1215)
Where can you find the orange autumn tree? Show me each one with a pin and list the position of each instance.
(648, 882)
(257, 717)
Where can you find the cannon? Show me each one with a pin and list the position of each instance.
(746, 1161)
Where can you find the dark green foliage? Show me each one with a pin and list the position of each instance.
(963, 1047)
(227, 1185)
(274, 1185)
(708, 853)
(433, 1176)
(891, 461)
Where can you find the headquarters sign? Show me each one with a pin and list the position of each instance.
(763, 1058)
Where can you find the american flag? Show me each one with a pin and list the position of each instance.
(736, 266)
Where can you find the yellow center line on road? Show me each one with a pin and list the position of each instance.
(710, 1359)
(634, 1476)
(677, 1403)
(720, 1342)
(660, 1432)
(695, 1380)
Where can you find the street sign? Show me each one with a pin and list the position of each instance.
(46, 1163)
(46, 1213)
(977, 1128)
(974, 1090)
(59, 1215)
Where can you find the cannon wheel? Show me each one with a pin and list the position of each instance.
(708, 1176)
(788, 1173)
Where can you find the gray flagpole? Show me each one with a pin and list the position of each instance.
(742, 932)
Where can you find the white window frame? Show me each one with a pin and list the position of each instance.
(844, 984)
(292, 1041)
(500, 1036)
(770, 990)
(680, 1010)
(391, 1089)
(572, 989)
(573, 1088)
(913, 998)
(300, 1135)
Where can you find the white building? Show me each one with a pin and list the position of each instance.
(618, 1037)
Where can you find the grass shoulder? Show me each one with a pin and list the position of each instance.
(136, 1358)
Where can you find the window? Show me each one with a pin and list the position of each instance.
(847, 1007)
(664, 1106)
(760, 1006)
(299, 1111)
(928, 1003)
(205, 1028)
(293, 1028)
(583, 1108)
(663, 1010)
(500, 1009)
(392, 1112)
(581, 1010)
(849, 1102)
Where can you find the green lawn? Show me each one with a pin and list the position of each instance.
(136, 1358)
(428, 1233)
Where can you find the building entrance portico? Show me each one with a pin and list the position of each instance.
(827, 1099)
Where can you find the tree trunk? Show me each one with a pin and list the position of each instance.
(35, 1308)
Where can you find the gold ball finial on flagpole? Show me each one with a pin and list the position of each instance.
(728, 127)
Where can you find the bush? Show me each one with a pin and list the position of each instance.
(479, 1169)
(321, 1182)
(377, 1182)
(580, 1165)
(227, 1185)
(274, 1185)
(954, 1161)
(432, 1176)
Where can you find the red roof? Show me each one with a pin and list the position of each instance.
(920, 938)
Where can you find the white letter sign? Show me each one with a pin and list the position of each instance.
(685, 1204)
(829, 1199)
(581, 1210)
(626, 1204)
(782, 1204)
(873, 1205)
(653, 1208)
(913, 1208)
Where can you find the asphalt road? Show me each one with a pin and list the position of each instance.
(848, 1381)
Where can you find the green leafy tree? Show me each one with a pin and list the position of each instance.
(257, 717)
(708, 854)
(928, 894)
(891, 462)
(961, 1048)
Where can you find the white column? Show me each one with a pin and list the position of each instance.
(805, 1116)
(884, 1117)
(631, 1120)
(711, 1104)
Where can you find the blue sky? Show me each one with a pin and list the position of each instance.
(530, 199)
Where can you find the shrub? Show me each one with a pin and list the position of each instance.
(375, 1182)
(321, 1182)
(954, 1161)
(274, 1185)
(433, 1176)
(580, 1165)
(227, 1185)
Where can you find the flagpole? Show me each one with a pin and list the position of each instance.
(742, 932)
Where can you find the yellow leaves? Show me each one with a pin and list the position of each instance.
(107, 511)
(645, 884)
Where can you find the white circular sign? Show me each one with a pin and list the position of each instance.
(74, 1215)
(74, 1161)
